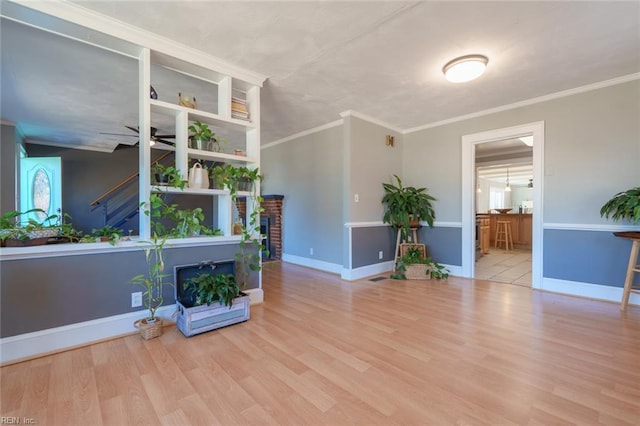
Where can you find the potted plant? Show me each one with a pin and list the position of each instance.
(203, 137)
(14, 233)
(415, 265)
(108, 234)
(623, 206)
(406, 206)
(234, 178)
(210, 288)
(209, 300)
(152, 283)
(167, 176)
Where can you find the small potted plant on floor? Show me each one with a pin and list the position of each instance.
(406, 206)
(210, 299)
(152, 283)
(415, 265)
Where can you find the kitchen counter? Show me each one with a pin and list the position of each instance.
(521, 227)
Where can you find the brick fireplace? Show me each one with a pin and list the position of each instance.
(270, 223)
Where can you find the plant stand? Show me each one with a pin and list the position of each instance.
(632, 269)
(400, 241)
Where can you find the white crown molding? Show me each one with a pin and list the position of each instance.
(545, 98)
(303, 133)
(352, 113)
(79, 15)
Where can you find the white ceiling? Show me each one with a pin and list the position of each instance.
(382, 59)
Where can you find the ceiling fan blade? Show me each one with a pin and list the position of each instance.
(117, 134)
(157, 139)
(166, 136)
(135, 129)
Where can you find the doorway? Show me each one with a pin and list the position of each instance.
(504, 193)
(470, 143)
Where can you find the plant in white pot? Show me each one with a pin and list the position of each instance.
(152, 284)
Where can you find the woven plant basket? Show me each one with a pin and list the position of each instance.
(417, 271)
(149, 331)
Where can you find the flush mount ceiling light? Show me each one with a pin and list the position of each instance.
(465, 68)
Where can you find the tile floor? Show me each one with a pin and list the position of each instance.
(513, 266)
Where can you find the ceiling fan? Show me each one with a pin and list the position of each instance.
(155, 137)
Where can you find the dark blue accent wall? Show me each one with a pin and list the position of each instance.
(41, 293)
(444, 244)
(594, 257)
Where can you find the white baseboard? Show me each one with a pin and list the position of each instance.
(29, 345)
(366, 271)
(312, 263)
(592, 291)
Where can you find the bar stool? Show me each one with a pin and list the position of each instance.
(503, 234)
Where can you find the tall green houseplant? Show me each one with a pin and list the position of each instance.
(405, 205)
(154, 280)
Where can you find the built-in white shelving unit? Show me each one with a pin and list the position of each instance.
(223, 85)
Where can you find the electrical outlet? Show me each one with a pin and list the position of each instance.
(356, 198)
(311, 251)
(136, 299)
(380, 255)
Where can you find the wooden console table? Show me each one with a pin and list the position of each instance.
(632, 269)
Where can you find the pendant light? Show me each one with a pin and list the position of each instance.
(508, 187)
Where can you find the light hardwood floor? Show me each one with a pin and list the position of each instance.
(321, 351)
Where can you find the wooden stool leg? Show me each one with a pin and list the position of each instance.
(631, 269)
(509, 238)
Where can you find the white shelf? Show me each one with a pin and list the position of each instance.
(197, 191)
(192, 191)
(212, 155)
(167, 108)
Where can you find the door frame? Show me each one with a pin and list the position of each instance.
(469, 143)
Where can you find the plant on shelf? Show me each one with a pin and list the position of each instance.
(188, 222)
(167, 176)
(623, 206)
(108, 233)
(183, 222)
(152, 284)
(406, 206)
(203, 137)
(413, 264)
(32, 232)
(67, 232)
(248, 257)
(235, 179)
(211, 288)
